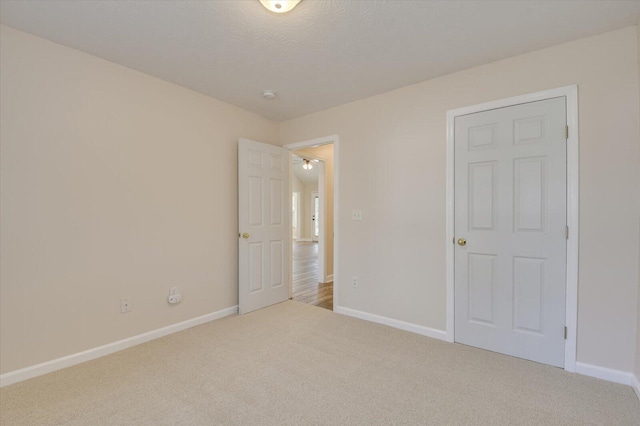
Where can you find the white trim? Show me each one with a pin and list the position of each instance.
(402, 325)
(336, 221)
(325, 140)
(67, 361)
(304, 240)
(573, 221)
(322, 230)
(608, 374)
(335, 140)
(298, 216)
(571, 94)
(449, 231)
(635, 384)
(328, 278)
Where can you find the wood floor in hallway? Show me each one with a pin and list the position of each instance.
(306, 288)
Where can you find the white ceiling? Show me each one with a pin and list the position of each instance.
(322, 54)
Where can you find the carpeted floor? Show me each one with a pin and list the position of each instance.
(295, 364)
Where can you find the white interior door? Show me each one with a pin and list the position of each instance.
(510, 209)
(264, 220)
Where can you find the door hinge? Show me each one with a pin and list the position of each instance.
(565, 333)
(567, 232)
(566, 132)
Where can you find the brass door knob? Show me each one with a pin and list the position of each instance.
(462, 242)
(245, 235)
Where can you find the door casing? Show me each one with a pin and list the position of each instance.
(571, 94)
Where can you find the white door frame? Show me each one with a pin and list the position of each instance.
(571, 94)
(332, 139)
(322, 240)
(298, 218)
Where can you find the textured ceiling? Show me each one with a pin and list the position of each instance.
(322, 54)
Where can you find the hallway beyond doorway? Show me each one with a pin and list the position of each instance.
(306, 288)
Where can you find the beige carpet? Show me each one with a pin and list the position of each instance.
(295, 364)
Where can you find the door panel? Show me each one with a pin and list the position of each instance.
(263, 217)
(255, 201)
(277, 259)
(277, 197)
(530, 194)
(481, 288)
(510, 207)
(483, 185)
(528, 293)
(256, 268)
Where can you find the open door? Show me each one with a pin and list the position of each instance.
(264, 221)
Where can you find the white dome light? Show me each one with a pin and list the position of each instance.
(280, 6)
(269, 94)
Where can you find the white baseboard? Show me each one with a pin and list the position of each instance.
(635, 384)
(402, 325)
(603, 373)
(328, 278)
(67, 361)
(304, 240)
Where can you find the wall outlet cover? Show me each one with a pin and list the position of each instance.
(174, 298)
(125, 305)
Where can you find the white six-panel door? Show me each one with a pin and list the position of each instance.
(510, 230)
(264, 219)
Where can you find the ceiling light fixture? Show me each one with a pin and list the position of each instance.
(307, 165)
(279, 6)
(269, 94)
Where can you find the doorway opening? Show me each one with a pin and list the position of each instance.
(312, 254)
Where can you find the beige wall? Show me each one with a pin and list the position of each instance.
(114, 183)
(392, 167)
(326, 154)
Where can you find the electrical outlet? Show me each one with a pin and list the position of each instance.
(356, 215)
(173, 290)
(174, 299)
(125, 305)
(354, 282)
